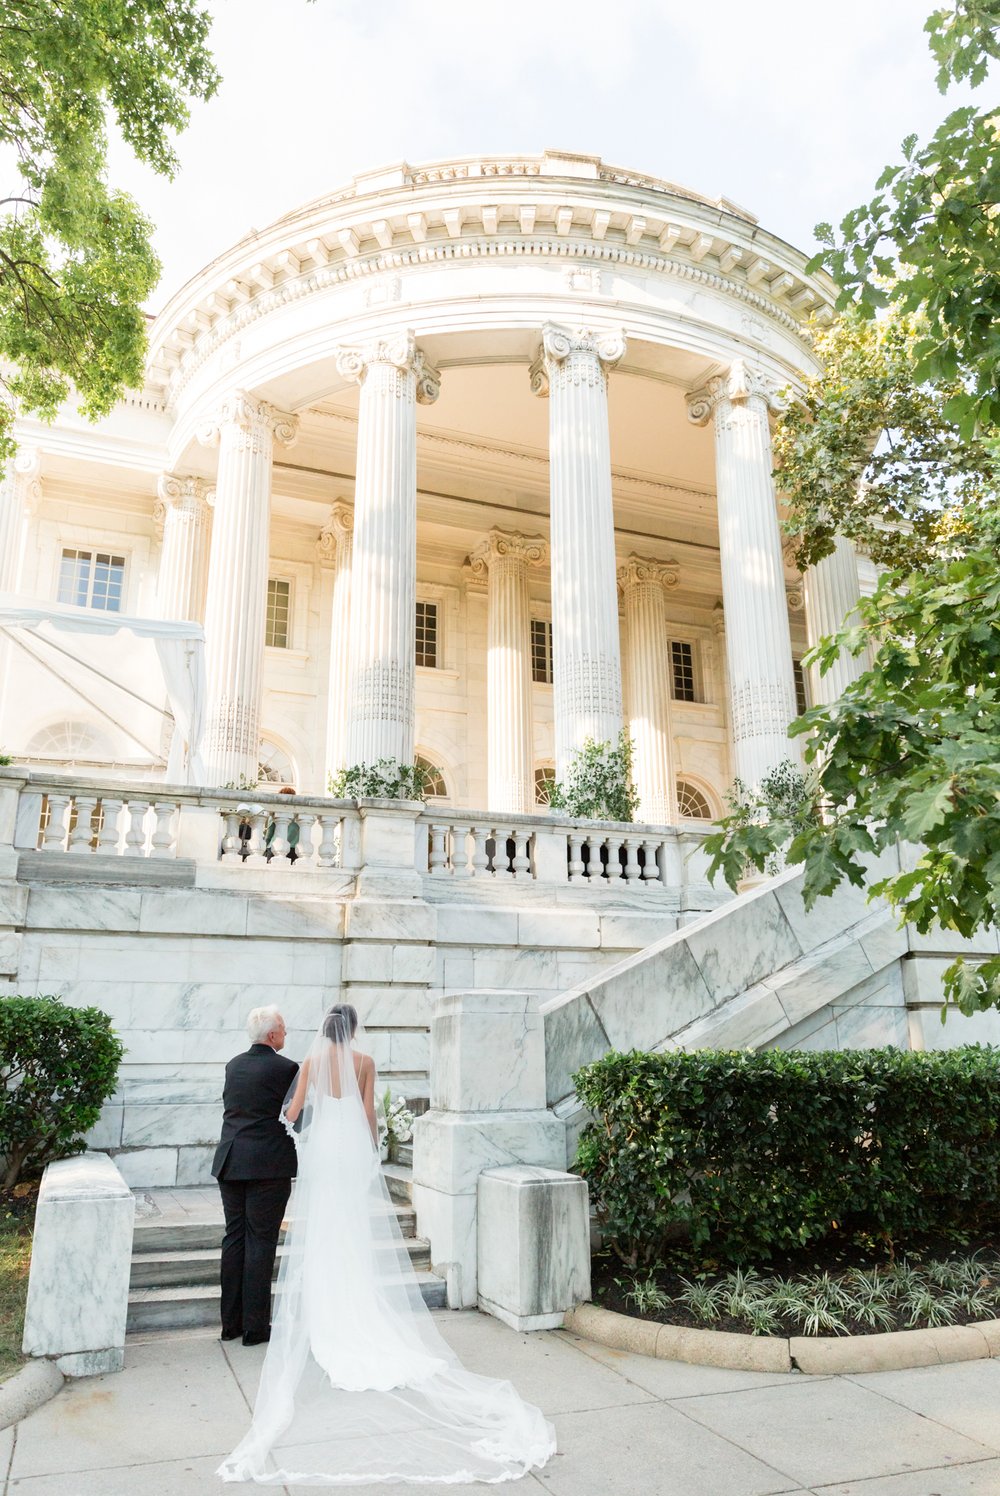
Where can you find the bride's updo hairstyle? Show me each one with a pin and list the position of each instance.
(340, 1023)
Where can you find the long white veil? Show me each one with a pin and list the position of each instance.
(358, 1386)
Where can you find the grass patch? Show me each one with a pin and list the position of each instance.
(17, 1214)
(908, 1294)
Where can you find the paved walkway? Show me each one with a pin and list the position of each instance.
(627, 1426)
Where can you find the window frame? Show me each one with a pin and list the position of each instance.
(435, 603)
(697, 672)
(288, 582)
(546, 625)
(93, 551)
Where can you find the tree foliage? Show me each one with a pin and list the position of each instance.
(928, 241)
(58, 1065)
(598, 784)
(76, 262)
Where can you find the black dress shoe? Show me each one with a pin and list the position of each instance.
(256, 1337)
(230, 1334)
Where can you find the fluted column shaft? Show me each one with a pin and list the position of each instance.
(245, 431)
(832, 592)
(20, 495)
(510, 750)
(572, 370)
(393, 375)
(758, 642)
(182, 508)
(648, 685)
(335, 548)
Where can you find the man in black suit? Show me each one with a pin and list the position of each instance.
(255, 1165)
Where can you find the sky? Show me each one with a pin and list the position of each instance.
(790, 108)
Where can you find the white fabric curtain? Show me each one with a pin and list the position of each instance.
(180, 648)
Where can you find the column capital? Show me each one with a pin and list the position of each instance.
(584, 354)
(507, 545)
(642, 570)
(25, 474)
(400, 352)
(740, 382)
(183, 491)
(338, 528)
(259, 423)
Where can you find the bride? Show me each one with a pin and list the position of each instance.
(357, 1385)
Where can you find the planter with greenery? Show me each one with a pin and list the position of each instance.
(598, 784)
(386, 779)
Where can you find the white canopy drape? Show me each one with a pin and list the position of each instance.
(180, 648)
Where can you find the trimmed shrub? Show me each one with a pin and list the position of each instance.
(57, 1066)
(757, 1154)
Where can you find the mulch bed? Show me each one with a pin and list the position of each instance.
(17, 1215)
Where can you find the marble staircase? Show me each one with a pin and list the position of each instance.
(174, 1282)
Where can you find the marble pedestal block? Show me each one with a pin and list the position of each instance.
(80, 1262)
(534, 1245)
(487, 1110)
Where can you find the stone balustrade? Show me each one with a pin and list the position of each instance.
(70, 815)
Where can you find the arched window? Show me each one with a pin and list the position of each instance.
(435, 787)
(274, 765)
(692, 804)
(545, 778)
(67, 741)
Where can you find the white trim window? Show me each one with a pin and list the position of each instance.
(427, 634)
(277, 628)
(801, 688)
(92, 579)
(541, 651)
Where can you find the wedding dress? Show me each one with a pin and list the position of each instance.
(358, 1386)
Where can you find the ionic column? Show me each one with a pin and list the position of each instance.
(758, 641)
(20, 495)
(648, 680)
(393, 375)
(832, 592)
(510, 756)
(245, 431)
(334, 549)
(183, 511)
(571, 369)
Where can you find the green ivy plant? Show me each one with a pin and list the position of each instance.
(598, 784)
(769, 816)
(243, 783)
(5, 759)
(58, 1065)
(386, 779)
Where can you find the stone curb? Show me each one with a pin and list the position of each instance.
(820, 1355)
(27, 1390)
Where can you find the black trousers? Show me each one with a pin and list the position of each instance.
(254, 1209)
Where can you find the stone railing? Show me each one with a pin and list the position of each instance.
(66, 815)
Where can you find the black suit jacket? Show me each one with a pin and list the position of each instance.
(254, 1143)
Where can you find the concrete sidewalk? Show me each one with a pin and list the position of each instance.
(627, 1426)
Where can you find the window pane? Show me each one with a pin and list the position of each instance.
(541, 651)
(692, 803)
(74, 577)
(279, 596)
(682, 670)
(801, 698)
(426, 653)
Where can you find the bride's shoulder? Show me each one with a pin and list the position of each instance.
(364, 1062)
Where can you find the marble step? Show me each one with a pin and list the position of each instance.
(399, 1180)
(404, 1155)
(189, 1307)
(202, 1235)
(168, 1269)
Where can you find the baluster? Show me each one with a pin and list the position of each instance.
(162, 841)
(438, 863)
(329, 846)
(522, 861)
(254, 845)
(480, 856)
(108, 832)
(278, 844)
(651, 871)
(54, 839)
(577, 871)
(304, 847)
(232, 843)
(135, 836)
(83, 831)
(462, 850)
(632, 868)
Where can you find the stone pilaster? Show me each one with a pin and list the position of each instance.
(758, 642)
(643, 584)
(571, 368)
(183, 511)
(334, 550)
(510, 760)
(393, 375)
(245, 431)
(20, 495)
(832, 592)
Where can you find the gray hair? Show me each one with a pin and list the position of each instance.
(260, 1022)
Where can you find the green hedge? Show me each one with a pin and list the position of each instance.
(58, 1065)
(758, 1154)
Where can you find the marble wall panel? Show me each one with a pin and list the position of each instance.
(573, 1037)
(827, 919)
(634, 932)
(487, 1052)
(928, 1032)
(533, 1245)
(949, 942)
(162, 1126)
(389, 920)
(754, 940)
(883, 989)
(378, 1007)
(866, 1027)
(107, 1130)
(883, 941)
(814, 981)
(575, 930)
(13, 903)
(413, 963)
(192, 912)
(751, 1021)
(518, 970)
(312, 919)
(148, 1168)
(451, 1149)
(456, 972)
(475, 927)
(367, 962)
(818, 1031)
(409, 1049)
(162, 1047)
(65, 908)
(449, 1224)
(10, 951)
(647, 1000)
(194, 1165)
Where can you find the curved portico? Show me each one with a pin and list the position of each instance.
(460, 563)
